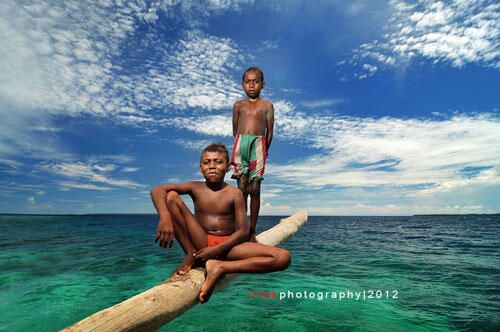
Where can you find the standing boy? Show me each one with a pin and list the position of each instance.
(253, 122)
(215, 235)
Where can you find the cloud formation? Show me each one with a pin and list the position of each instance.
(424, 154)
(90, 171)
(322, 102)
(68, 61)
(455, 32)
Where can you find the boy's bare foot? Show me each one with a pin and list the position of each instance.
(185, 266)
(252, 238)
(214, 271)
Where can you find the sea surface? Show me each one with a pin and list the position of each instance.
(420, 273)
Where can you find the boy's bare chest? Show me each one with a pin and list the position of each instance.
(252, 112)
(209, 202)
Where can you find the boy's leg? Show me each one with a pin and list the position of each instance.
(247, 257)
(188, 232)
(254, 189)
(244, 187)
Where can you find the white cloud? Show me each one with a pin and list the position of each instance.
(198, 145)
(410, 158)
(456, 32)
(63, 62)
(69, 60)
(87, 171)
(283, 209)
(63, 52)
(12, 163)
(195, 75)
(434, 154)
(130, 169)
(322, 102)
(31, 200)
(66, 185)
(366, 209)
(268, 45)
(484, 178)
(217, 125)
(370, 68)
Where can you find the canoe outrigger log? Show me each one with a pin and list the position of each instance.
(150, 310)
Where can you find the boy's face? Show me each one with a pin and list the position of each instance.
(214, 166)
(252, 84)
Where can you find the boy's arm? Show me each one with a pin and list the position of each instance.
(235, 118)
(165, 231)
(270, 126)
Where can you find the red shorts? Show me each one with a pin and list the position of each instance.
(213, 240)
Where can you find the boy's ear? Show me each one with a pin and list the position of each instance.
(262, 85)
(229, 166)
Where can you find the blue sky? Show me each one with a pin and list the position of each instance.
(382, 107)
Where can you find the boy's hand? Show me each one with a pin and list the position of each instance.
(206, 253)
(165, 233)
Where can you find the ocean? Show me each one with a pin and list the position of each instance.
(414, 273)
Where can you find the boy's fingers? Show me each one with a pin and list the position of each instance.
(199, 255)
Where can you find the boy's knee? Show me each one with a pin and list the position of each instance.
(255, 195)
(255, 192)
(243, 186)
(244, 190)
(172, 196)
(255, 188)
(284, 258)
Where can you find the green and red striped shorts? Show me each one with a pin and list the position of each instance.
(249, 156)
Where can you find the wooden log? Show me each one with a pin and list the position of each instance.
(150, 310)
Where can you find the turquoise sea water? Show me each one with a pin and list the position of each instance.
(424, 273)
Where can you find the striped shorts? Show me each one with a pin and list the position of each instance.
(249, 156)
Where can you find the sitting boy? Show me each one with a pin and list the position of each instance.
(215, 235)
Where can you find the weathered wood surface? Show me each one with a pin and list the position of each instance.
(150, 310)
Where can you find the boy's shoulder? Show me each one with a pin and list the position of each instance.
(240, 102)
(232, 190)
(235, 192)
(267, 103)
(229, 188)
(196, 185)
